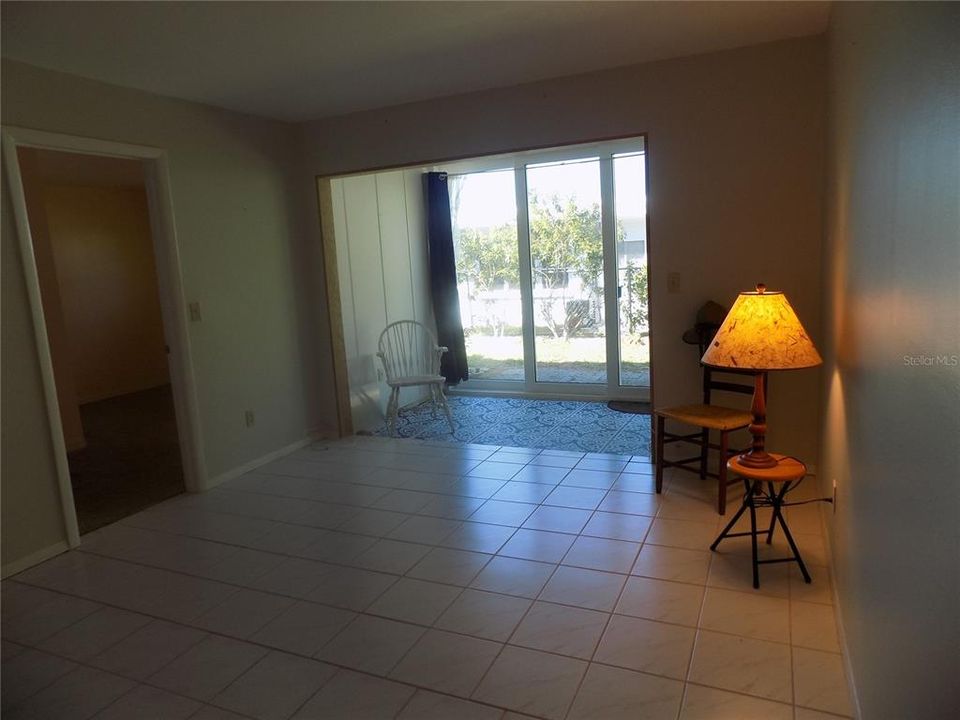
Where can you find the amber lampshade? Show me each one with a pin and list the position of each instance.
(761, 332)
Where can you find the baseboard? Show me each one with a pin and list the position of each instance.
(312, 436)
(17, 566)
(838, 613)
(599, 396)
(325, 432)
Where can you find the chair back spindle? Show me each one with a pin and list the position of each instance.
(713, 383)
(411, 357)
(408, 349)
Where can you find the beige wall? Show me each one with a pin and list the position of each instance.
(31, 521)
(104, 259)
(241, 206)
(735, 163)
(735, 182)
(892, 294)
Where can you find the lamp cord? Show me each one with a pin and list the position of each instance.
(800, 482)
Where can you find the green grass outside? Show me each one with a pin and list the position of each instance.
(503, 356)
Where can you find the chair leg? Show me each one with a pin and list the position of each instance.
(778, 517)
(753, 534)
(722, 475)
(660, 421)
(773, 516)
(704, 452)
(729, 526)
(393, 410)
(433, 400)
(390, 427)
(446, 408)
(389, 413)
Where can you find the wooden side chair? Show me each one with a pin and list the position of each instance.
(411, 357)
(707, 417)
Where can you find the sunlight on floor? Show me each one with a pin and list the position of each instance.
(405, 579)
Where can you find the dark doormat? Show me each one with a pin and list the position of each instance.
(627, 406)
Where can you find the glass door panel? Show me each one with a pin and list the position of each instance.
(629, 180)
(566, 268)
(552, 270)
(483, 212)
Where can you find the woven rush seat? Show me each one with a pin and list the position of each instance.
(708, 416)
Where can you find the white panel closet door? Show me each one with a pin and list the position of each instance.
(396, 262)
(363, 236)
(394, 247)
(343, 269)
(363, 243)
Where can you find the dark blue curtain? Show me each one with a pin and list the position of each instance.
(443, 279)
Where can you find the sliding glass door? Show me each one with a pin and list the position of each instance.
(483, 211)
(630, 204)
(566, 271)
(552, 268)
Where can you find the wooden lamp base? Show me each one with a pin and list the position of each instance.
(757, 456)
(757, 460)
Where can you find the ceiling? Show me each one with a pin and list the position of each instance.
(296, 61)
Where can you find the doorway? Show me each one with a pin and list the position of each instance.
(551, 251)
(92, 244)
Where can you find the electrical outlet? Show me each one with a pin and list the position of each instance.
(673, 282)
(834, 496)
(248, 418)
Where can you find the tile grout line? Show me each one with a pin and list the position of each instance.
(65, 627)
(606, 625)
(87, 663)
(486, 672)
(504, 644)
(396, 575)
(339, 667)
(332, 564)
(312, 695)
(462, 590)
(269, 648)
(696, 640)
(405, 704)
(793, 680)
(361, 568)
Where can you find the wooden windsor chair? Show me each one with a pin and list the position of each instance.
(411, 357)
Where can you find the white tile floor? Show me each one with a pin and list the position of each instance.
(377, 578)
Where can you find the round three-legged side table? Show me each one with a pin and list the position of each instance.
(766, 487)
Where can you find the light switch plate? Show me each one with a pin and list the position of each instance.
(194, 312)
(673, 282)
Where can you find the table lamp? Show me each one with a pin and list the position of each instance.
(761, 332)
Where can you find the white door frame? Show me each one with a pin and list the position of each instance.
(170, 285)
